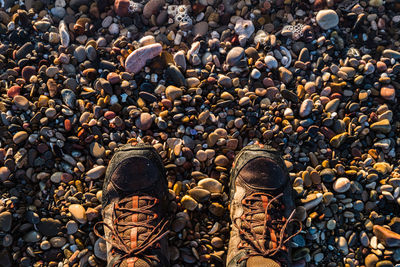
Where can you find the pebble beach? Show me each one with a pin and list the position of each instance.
(319, 80)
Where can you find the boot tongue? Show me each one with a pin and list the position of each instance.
(257, 261)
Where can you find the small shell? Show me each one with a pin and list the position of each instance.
(287, 55)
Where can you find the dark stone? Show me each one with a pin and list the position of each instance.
(175, 76)
(49, 226)
(75, 4)
(24, 50)
(5, 259)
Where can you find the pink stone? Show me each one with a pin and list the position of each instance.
(109, 115)
(13, 91)
(268, 82)
(152, 8)
(138, 58)
(388, 92)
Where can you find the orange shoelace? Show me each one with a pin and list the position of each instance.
(121, 224)
(259, 203)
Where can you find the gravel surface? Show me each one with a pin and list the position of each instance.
(318, 79)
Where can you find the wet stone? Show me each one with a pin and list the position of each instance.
(69, 97)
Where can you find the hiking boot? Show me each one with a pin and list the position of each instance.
(261, 209)
(135, 208)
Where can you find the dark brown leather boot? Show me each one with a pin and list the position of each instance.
(135, 208)
(261, 209)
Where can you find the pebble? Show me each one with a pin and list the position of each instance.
(69, 97)
(235, 55)
(388, 92)
(138, 58)
(121, 8)
(21, 102)
(32, 237)
(285, 75)
(386, 236)
(382, 126)
(80, 53)
(244, 28)
(5, 221)
(371, 260)
(342, 245)
(97, 150)
(389, 53)
(4, 173)
(173, 92)
(327, 19)
(221, 160)
(58, 242)
(152, 7)
(49, 226)
(78, 212)
(306, 108)
(271, 62)
(189, 203)
(20, 137)
(211, 185)
(199, 194)
(144, 121)
(200, 28)
(72, 227)
(317, 80)
(96, 172)
(341, 185)
(56, 177)
(13, 91)
(100, 249)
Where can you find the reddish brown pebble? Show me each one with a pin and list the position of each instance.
(109, 115)
(66, 178)
(67, 125)
(13, 91)
(121, 7)
(28, 72)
